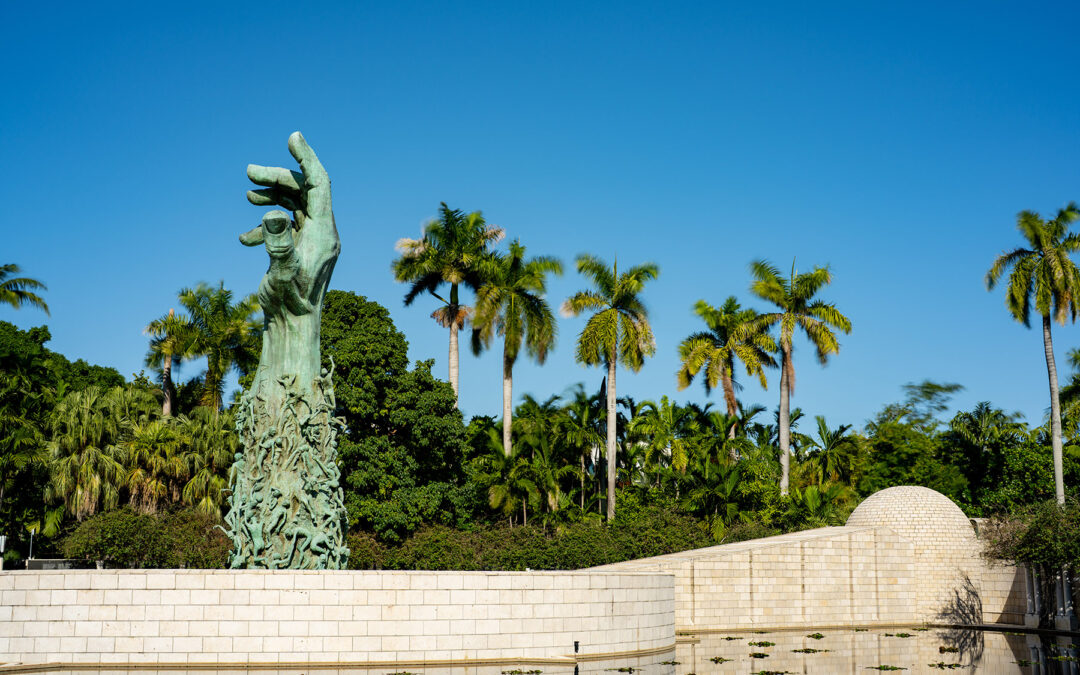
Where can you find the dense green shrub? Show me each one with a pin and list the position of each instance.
(637, 532)
(1046, 535)
(124, 538)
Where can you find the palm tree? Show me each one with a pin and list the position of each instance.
(211, 446)
(618, 331)
(226, 334)
(667, 429)
(87, 460)
(449, 252)
(21, 443)
(171, 343)
(834, 452)
(794, 297)
(511, 303)
(1044, 271)
(712, 493)
(730, 336)
(18, 291)
(156, 465)
(579, 429)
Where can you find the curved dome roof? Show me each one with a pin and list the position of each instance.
(925, 517)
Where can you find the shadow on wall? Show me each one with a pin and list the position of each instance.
(965, 608)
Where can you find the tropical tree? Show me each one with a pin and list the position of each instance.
(794, 297)
(211, 442)
(171, 343)
(1043, 271)
(450, 251)
(617, 332)
(157, 468)
(87, 461)
(668, 429)
(578, 429)
(19, 291)
(226, 334)
(22, 445)
(833, 452)
(731, 334)
(713, 493)
(511, 303)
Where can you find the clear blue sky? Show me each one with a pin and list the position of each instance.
(894, 143)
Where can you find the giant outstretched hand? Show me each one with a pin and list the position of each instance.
(302, 252)
(286, 505)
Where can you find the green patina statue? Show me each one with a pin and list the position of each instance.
(286, 508)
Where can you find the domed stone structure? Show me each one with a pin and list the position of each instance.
(944, 543)
(928, 519)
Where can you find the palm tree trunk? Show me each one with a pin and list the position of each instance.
(1055, 412)
(508, 399)
(729, 400)
(785, 419)
(583, 482)
(611, 440)
(167, 387)
(453, 359)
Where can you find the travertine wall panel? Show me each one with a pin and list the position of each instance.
(236, 616)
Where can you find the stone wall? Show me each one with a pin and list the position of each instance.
(834, 576)
(233, 616)
(907, 555)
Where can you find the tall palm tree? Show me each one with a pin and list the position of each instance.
(511, 303)
(730, 335)
(617, 331)
(1044, 271)
(794, 297)
(450, 251)
(171, 343)
(19, 291)
(225, 333)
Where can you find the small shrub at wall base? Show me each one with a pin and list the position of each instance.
(124, 538)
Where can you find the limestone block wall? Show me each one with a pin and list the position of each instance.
(247, 616)
(1003, 594)
(831, 576)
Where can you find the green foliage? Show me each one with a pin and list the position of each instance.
(1044, 535)
(124, 538)
(636, 532)
(227, 334)
(19, 291)
(405, 445)
(732, 334)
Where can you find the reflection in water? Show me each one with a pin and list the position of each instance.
(915, 650)
(836, 651)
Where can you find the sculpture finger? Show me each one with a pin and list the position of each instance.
(273, 197)
(278, 235)
(253, 237)
(315, 176)
(276, 177)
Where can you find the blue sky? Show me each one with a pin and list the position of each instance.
(895, 144)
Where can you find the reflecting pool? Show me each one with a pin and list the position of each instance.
(824, 652)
